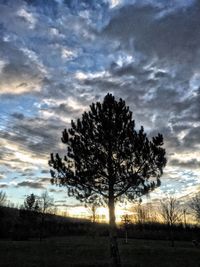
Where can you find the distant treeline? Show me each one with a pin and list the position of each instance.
(21, 224)
(160, 231)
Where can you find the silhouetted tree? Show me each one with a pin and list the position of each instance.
(125, 219)
(141, 213)
(107, 157)
(46, 203)
(93, 203)
(28, 216)
(45, 206)
(92, 208)
(171, 214)
(31, 203)
(144, 215)
(194, 205)
(185, 213)
(2, 198)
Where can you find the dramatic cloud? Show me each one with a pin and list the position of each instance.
(34, 185)
(56, 57)
(3, 185)
(190, 164)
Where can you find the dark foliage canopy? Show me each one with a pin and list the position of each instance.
(106, 155)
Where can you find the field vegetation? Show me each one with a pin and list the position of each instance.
(76, 242)
(90, 251)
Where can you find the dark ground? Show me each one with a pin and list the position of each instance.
(82, 251)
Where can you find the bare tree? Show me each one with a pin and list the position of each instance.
(46, 204)
(194, 206)
(93, 203)
(171, 214)
(92, 208)
(3, 198)
(2, 203)
(141, 213)
(151, 211)
(170, 211)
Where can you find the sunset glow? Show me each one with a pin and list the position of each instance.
(57, 57)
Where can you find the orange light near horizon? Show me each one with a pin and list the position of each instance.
(102, 213)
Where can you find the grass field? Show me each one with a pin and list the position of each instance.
(88, 251)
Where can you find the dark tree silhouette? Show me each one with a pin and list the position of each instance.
(45, 206)
(28, 215)
(171, 214)
(3, 198)
(92, 208)
(125, 219)
(194, 205)
(31, 203)
(107, 157)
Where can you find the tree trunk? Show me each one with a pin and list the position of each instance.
(114, 251)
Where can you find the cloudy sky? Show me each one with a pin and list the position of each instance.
(56, 57)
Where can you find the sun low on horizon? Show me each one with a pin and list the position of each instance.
(58, 57)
